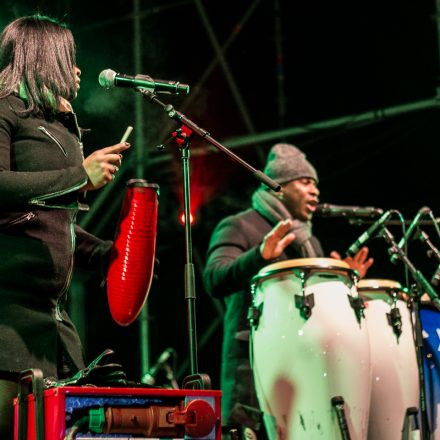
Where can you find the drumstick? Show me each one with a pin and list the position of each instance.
(126, 134)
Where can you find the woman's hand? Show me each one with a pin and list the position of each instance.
(102, 165)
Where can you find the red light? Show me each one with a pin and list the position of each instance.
(182, 218)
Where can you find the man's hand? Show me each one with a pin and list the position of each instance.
(277, 240)
(102, 165)
(359, 262)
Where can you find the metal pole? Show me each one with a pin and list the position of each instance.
(225, 67)
(77, 307)
(350, 121)
(140, 153)
(281, 93)
(190, 291)
(236, 94)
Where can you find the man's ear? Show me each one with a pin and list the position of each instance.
(279, 194)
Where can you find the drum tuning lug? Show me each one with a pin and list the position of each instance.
(411, 425)
(358, 305)
(305, 305)
(253, 316)
(395, 321)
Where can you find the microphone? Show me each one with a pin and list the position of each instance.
(354, 248)
(421, 212)
(151, 375)
(435, 280)
(109, 78)
(329, 210)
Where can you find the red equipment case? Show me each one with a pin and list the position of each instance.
(58, 404)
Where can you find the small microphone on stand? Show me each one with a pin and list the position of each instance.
(435, 280)
(150, 377)
(369, 233)
(420, 213)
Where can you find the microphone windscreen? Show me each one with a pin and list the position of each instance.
(107, 78)
(132, 259)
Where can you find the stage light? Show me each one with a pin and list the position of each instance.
(182, 218)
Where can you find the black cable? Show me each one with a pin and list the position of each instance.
(77, 425)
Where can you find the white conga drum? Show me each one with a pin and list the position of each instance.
(309, 344)
(395, 381)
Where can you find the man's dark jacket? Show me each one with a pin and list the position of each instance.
(40, 175)
(233, 259)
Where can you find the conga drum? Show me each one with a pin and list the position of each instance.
(309, 345)
(395, 381)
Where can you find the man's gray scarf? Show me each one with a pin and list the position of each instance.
(271, 208)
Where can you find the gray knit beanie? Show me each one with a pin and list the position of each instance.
(287, 162)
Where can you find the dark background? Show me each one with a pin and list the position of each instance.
(286, 64)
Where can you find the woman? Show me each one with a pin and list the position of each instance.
(43, 176)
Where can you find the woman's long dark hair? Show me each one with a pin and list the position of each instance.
(37, 59)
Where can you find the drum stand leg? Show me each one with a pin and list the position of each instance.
(338, 405)
(425, 432)
(411, 428)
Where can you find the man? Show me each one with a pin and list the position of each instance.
(277, 227)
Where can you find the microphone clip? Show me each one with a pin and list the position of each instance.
(182, 136)
(395, 253)
(357, 221)
(164, 144)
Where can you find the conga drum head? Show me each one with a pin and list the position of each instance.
(305, 263)
(370, 288)
(378, 284)
(308, 266)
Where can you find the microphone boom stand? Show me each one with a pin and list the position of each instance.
(183, 136)
(423, 287)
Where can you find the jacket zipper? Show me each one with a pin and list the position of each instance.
(40, 200)
(78, 130)
(25, 217)
(49, 134)
(79, 135)
(63, 291)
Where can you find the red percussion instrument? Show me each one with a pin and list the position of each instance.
(132, 258)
